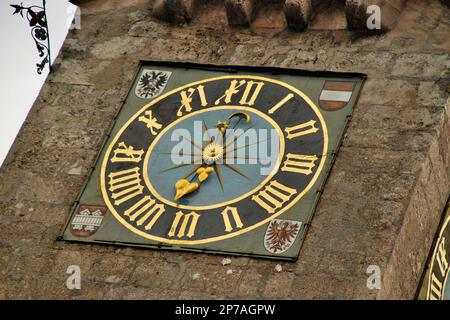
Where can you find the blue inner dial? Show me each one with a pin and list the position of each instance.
(180, 149)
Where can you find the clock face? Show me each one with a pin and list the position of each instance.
(214, 159)
(218, 159)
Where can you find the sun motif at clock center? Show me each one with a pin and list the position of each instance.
(213, 153)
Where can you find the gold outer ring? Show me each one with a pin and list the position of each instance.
(220, 204)
(231, 234)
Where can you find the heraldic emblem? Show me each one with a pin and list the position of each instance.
(336, 95)
(151, 83)
(87, 221)
(280, 235)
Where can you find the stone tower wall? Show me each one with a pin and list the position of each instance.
(382, 202)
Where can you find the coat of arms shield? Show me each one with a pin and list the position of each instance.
(151, 83)
(87, 221)
(280, 235)
(335, 95)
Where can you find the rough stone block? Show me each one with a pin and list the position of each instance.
(111, 268)
(356, 12)
(156, 274)
(389, 92)
(270, 20)
(430, 94)
(138, 293)
(328, 287)
(279, 285)
(251, 284)
(331, 18)
(422, 65)
(298, 13)
(210, 279)
(95, 6)
(174, 11)
(240, 12)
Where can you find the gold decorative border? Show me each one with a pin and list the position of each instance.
(238, 232)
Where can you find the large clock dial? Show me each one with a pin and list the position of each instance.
(214, 159)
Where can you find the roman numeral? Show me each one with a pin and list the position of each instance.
(281, 103)
(151, 122)
(145, 209)
(124, 185)
(435, 288)
(186, 99)
(226, 218)
(188, 221)
(441, 258)
(302, 129)
(273, 196)
(126, 153)
(251, 92)
(298, 163)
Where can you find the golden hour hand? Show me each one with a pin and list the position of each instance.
(184, 186)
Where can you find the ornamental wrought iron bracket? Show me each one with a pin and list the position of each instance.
(37, 17)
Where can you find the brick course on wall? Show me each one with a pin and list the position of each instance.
(381, 205)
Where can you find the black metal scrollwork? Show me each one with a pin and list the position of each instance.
(37, 18)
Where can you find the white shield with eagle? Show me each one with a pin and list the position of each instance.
(280, 235)
(151, 83)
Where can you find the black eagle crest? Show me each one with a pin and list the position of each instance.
(151, 84)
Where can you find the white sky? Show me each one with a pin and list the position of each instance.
(19, 82)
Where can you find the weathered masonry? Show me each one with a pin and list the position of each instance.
(298, 13)
(382, 203)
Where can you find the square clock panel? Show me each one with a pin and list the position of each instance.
(216, 159)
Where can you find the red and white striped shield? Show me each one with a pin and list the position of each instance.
(336, 94)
